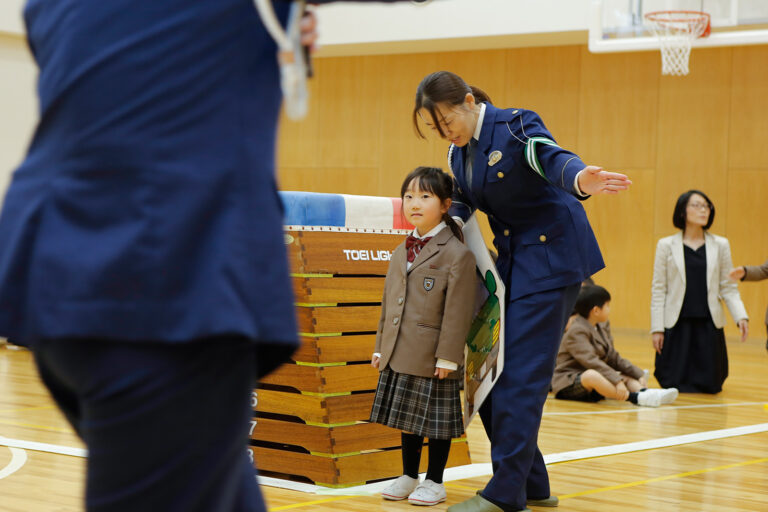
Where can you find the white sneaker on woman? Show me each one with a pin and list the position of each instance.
(428, 493)
(400, 489)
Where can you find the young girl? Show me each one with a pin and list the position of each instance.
(426, 311)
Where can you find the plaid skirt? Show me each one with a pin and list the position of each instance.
(424, 406)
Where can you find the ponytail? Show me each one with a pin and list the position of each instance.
(480, 95)
(457, 232)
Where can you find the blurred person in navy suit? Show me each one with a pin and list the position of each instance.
(143, 259)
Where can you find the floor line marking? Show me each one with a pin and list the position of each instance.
(602, 451)
(306, 504)
(43, 447)
(467, 471)
(485, 469)
(18, 459)
(645, 409)
(32, 425)
(661, 479)
(22, 409)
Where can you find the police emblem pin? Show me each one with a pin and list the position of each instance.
(494, 158)
(429, 283)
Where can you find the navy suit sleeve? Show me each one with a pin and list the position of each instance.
(460, 204)
(553, 163)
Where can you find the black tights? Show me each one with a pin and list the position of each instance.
(438, 456)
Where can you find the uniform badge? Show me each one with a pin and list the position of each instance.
(429, 283)
(494, 158)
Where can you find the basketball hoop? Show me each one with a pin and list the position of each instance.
(676, 31)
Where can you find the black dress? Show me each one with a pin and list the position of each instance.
(694, 357)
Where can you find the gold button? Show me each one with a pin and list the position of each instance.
(399, 300)
(395, 320)
(506, 232)
(514, 111)
(500, 174)
(543, 238)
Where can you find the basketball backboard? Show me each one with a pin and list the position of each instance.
(619, 25)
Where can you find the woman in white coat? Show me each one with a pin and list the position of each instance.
(690, 277)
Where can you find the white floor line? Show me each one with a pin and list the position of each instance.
(645, 409)
(43, 447)
(18, 459)
(475, 470)
(651, 444)
(457, 473)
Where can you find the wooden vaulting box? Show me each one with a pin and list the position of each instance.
(311, 414)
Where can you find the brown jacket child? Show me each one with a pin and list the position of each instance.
(589, 368)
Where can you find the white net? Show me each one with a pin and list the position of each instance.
(676, 30)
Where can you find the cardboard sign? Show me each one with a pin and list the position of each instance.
(484, 351)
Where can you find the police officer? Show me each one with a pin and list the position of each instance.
(507, 164)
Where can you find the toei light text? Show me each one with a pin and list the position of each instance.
(367, 255)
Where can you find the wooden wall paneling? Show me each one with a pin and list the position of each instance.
(350, 112)
(693, 136)
(401, 150)
(483, 69)
(617, 114)
(749, 105)
(624, 229)
(748, 234)
(332, 180)
(547, 81)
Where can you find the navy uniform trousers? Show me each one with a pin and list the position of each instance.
(534, 327)
(186, 407)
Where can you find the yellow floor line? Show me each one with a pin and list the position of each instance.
(30, 425)
(307, 503)
(7, 411)
(661, 478)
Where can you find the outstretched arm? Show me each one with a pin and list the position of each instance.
(562, 167)
(594, 180)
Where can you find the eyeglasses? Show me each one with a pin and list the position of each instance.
(699, 206)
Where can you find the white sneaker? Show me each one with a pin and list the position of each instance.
(400, 488)
(649, 398)
(668, 395)
(428, 493)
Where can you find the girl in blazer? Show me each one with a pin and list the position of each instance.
(507, 164)
(690, 277)
(426, 311)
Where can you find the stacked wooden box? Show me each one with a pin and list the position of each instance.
(311, 414)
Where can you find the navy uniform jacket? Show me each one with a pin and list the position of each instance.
(541, 231)
(146, 207)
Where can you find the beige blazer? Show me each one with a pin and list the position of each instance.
(668, 289)
(585, 347)
(426, 311)
(755, 273)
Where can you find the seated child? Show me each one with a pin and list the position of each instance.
(589, 368)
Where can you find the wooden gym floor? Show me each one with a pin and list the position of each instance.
(701, 453)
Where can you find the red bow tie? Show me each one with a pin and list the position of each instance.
(414, 246)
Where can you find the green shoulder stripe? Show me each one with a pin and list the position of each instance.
(532, 158)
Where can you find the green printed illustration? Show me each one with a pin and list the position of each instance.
(484, 349)
(482, 343)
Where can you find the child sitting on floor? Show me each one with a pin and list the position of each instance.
(588, 366)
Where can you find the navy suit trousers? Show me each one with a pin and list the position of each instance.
(512, 413)
(166, 425)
